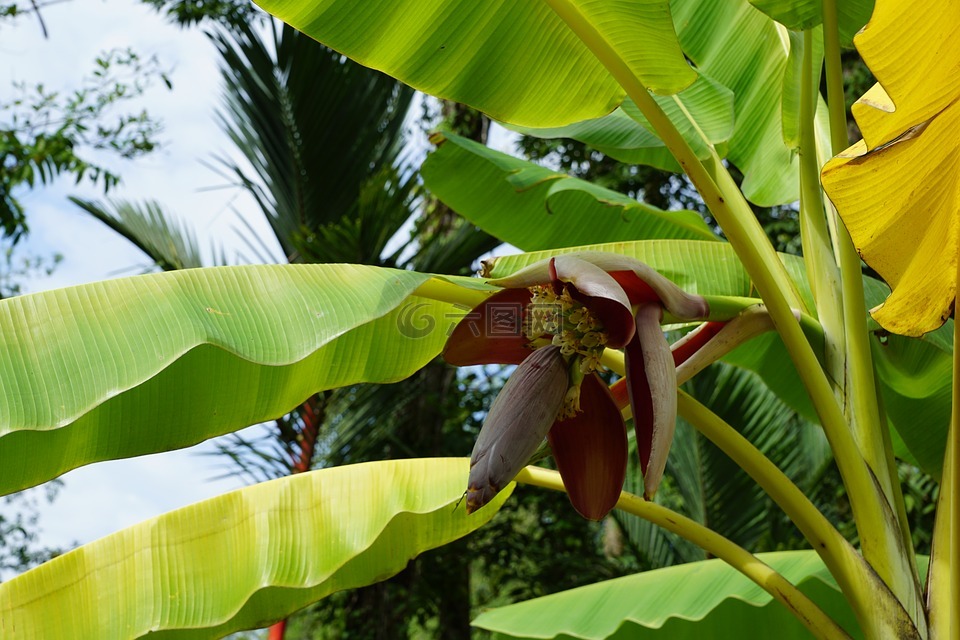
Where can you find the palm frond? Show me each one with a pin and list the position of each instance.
(169, 244)
(384, 204)
(653, 546)
(313, 128)
(734, 502)
(453, 252)
(255, 459)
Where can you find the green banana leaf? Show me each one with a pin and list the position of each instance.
(138, 365)
(746, 51)
(703, 113)
(516, 61)
(534, 208)
(852, 15)
(734, 46)
(697, 266)
(519, 63)
(704, 600)
(247, 558)
(915, 380)
(617, 135)
(790, 100)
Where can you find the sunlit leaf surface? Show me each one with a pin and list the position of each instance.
(703, 113)
(513, 59)
(805, 14)
(695, 601)
(247, 558)
(138, 365)
(533, 207)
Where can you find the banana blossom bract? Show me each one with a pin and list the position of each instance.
(554, 319)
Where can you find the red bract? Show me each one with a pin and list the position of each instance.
(563, 313)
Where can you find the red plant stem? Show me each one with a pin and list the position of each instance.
(682, 352)
(308, 436)
(619, 392)
(301, 464)
(277, 630)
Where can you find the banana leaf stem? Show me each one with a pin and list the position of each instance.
(804, 609)
(862, 405)
(943, 579)
(832, 303)
(718, 190)
(444, 291)
(818, 256)
(835, 99)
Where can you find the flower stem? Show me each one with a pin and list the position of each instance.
(723, 307)
(808, 613)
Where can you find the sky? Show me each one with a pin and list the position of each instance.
(105, 497)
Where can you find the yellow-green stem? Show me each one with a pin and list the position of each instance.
(875, 606)
(723, 197)
(862, 405)
(943, 580)
(721, 308)
(445, 291)
(812, 617)
(716, 187)
(614, 360)
(835, 99)
(860, 387)
(822, 271)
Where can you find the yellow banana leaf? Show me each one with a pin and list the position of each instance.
(897, 190)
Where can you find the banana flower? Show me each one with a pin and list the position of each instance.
(554, 319)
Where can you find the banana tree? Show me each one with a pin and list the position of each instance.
(129, 367)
